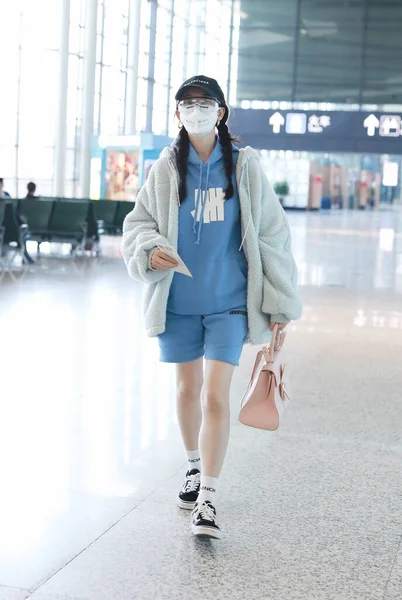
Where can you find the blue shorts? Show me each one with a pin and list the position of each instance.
(217, 337)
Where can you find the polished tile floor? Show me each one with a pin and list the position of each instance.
(91, 460)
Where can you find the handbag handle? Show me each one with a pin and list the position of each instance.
(276, 344)
(277, 341)
(273, 344)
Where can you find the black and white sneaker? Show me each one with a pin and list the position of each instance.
(190, 490)
(203, 521)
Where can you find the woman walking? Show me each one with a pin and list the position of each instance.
(213, 203)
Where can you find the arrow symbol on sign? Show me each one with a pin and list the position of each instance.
(371, 124)
(277, 121)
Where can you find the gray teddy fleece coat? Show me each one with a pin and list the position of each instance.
(272, 292)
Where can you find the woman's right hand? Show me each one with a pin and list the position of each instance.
(161, 261)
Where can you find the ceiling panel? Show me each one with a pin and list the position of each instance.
(345, 51)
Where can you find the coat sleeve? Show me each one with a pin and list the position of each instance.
(140, 238)
(281, 299)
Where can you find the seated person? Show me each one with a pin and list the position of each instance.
(3, 194)
(31, 187)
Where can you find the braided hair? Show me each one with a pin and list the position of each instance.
(182, 147)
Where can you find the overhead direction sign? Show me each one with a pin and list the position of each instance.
(336, 131)
(277, 120)
(371, 123)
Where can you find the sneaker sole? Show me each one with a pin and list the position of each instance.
(185, 505)
(206, 532)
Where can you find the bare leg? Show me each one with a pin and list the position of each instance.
(214, 435)
(189, 378)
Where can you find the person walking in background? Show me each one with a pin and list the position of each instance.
(213, 203)
(31, 188)
(3, 194)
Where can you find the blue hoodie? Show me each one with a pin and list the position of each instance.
(209, 241)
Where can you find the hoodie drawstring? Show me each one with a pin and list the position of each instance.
(197, 203)
(249, 199)
(203, 204)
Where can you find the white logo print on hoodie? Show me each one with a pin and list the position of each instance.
(215, 205)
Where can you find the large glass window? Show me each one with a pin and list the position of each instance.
(143, 66)
(9, 46)
(163, 57)
(277, 54)
(112, 58)
(191, 37)
(29, 97)
(201, 43)
(74, 95)
(215, 54)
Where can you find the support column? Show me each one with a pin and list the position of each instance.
(61, 126)
(132, 66)
(363, 54)
(151, 65)
(186, 36)
(88, 97)
(199, 24)
(232, 9)
(296, 52)
(169, 85)
(98, 125)
(17, 128)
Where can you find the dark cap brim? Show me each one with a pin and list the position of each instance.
(181, 93)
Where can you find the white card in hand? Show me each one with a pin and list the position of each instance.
(181, 267)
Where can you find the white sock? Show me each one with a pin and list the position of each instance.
(208, 489)
(194, 459)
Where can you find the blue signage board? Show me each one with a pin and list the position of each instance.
(318, 131)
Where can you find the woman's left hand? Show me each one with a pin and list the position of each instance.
(281, 326)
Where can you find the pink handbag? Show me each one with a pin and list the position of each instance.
(265, 399)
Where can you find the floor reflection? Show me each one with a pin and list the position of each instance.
(87, 413)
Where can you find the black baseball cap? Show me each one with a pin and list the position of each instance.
(208, 85)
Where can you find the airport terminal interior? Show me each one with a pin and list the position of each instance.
(91, 456)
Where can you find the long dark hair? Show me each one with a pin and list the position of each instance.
(182, 147)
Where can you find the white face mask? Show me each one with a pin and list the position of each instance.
(199, 121)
